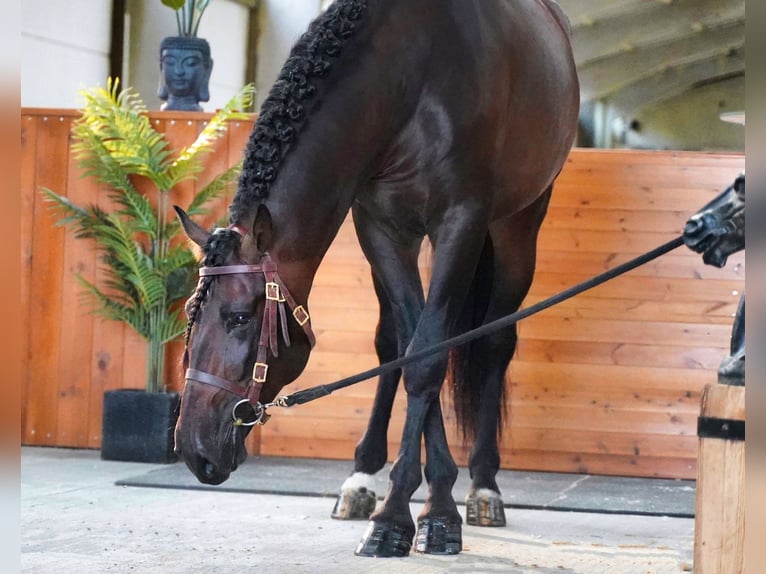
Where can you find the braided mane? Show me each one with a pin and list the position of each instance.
(282, 116)
(283, 113)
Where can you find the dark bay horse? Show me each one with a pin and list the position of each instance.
(445, 119)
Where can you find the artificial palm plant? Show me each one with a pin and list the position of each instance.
(148, 268)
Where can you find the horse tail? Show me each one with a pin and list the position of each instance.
(464, 370)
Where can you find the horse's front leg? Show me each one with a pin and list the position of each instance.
(400, 295)
(391, 528)
(357, 497)
(439, 523)
(457, 246)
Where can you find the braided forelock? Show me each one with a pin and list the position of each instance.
(220, 247)
(193, 306)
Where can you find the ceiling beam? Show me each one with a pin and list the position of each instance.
(653, 89)
(604, 76)
(612, 27)
(586, 12)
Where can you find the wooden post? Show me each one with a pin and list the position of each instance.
(720, 515)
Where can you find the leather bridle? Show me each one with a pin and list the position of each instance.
(277, 297)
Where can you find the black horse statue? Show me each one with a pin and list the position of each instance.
(448, 119)
(717, 231)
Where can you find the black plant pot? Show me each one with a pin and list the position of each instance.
(138, 426)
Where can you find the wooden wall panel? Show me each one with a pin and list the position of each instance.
(73, 380)
(45, 285)
(75, 357)
(28, 183)
(608, 382)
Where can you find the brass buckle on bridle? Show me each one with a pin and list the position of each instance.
(300, 315)
(274, 293)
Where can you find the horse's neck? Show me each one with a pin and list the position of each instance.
(364, 105)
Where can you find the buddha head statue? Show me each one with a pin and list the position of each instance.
(185, 67)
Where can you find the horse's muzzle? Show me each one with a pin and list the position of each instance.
(700, 232)
(207, 472)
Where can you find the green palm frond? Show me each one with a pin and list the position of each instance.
(180, 271)
(172, 327)
(69, 213)
(136, 266)
(214, 189)
(106, 305)
(177, 257)
(188, 163)
(117, 120)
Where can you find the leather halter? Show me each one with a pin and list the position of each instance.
(277, 296)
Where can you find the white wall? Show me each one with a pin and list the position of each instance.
(225, 27)
(64, 47)
(282, 22)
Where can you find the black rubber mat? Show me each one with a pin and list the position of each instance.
(535, 490)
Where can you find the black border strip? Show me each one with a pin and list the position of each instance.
(727, 429)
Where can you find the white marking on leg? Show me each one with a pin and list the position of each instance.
(357, 481)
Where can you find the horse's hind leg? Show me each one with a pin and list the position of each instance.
(358, 497)
(514, 246)
(483, 502)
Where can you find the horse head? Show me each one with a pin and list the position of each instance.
(246, 339)
(718, 229)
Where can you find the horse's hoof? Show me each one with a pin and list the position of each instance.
(438, 536)
(354, 505)
(484, 508)
(385, 541)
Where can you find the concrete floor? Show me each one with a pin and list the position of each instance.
(74, 519)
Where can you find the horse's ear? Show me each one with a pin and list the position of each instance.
(193, 231)
(263, 231)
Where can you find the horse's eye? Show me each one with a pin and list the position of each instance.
(239, 318)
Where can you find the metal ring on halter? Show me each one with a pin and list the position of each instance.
(257, 409)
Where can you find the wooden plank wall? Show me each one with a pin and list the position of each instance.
(610, 381)
(606, 383)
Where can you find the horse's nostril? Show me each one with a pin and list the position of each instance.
(209, 469)
(693, 226)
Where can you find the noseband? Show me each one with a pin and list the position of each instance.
(277, 296)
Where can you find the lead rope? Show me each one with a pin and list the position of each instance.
(312, 393)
